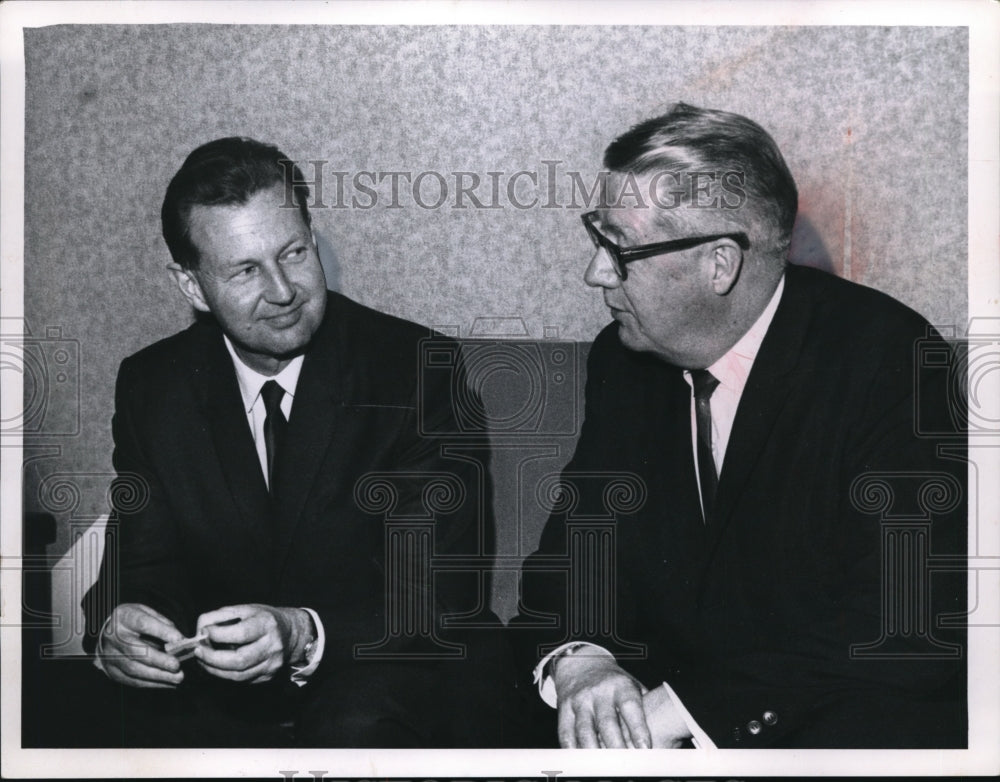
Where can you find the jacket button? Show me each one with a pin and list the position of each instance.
(754, 727)
(770, 718)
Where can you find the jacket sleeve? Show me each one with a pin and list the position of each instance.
(552, 611)
(141, 561)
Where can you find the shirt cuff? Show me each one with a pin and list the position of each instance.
(543, 677)
(699, 738)
(301, 673)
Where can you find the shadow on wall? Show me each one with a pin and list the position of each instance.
(808, 249)
(330, 261)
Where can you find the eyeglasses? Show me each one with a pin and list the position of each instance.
(620, 256)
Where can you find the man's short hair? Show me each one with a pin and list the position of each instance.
(227, 171)
(688, 139)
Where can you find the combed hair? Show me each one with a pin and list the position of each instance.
(227, 171)
(688, 138)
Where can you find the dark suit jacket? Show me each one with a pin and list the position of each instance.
(200, 532)
(754, 615)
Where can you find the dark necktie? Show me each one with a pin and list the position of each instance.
(274, 427)
(704, 384)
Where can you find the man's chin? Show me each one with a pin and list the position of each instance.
(279, 345)
(637, 341)
(629, 338)
(289, 347)
(291, 340)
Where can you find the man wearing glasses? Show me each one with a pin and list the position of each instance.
(751, 597)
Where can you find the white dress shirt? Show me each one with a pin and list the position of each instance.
(251, 381)
(732, 371)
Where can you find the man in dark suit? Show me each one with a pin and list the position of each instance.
(768, 582)
(289, 492)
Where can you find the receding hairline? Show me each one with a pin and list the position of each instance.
(198, 209)
(688, 139)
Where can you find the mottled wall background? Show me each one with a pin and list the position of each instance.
(872, 121)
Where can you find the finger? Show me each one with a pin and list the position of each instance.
(260, 672)
(128, 648)
(567, 728)
(609, 731)
(586, 731)
(234, 660)
(239, 631)
(149, 624)
(224, 614)
(125, 642)
(634, 719)
(136, 673)
(625, 734)
(263, 673)
(239, 659)
(156, 614)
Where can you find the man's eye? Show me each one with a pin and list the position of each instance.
(295, 254)
(245, 272)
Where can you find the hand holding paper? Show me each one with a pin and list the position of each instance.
(250, 643)
(131, 648)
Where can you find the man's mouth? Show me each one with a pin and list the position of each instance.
(285, 318)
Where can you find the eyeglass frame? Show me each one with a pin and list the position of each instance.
(621, 256)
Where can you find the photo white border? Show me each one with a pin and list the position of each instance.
(983, 757)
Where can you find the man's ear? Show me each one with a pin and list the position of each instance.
(727, 262)
(190, 287)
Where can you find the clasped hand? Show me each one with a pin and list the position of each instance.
(261, 641)
(245, 643)
(130, 649)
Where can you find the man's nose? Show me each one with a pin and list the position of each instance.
(601, 271)
(279, 290)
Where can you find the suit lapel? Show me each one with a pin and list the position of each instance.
(317, 414)
(657, 418)
(234, 447)
(763, 397)
(685, 496)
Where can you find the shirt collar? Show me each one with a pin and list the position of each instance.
(733, 369)
(250, 380)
